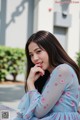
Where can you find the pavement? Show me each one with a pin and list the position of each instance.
(10, 95)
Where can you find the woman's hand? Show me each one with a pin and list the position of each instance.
(34, 74)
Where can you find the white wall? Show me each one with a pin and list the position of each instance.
(16, 31)
(74, 30)
(45, 17)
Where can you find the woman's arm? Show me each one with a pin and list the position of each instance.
(53, 90)
(41, 104)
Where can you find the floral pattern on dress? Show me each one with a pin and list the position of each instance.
(59, 99)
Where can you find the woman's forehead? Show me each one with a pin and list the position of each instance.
(33, 46)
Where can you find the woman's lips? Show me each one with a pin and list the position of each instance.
(39, 64)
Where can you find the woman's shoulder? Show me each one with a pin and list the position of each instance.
(63, 68)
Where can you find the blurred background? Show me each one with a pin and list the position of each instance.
(18, 20)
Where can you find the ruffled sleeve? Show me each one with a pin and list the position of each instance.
(34, 104)
(27, 105)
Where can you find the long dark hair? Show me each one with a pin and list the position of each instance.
(57, 55)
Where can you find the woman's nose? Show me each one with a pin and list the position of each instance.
(35, 58)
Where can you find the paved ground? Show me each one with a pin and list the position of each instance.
(10, 95)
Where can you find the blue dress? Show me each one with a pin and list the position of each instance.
(59, 99)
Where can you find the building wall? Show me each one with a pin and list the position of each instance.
(62, 22)
(23, 17)
(16, 23)
(74, 30)
(45, 15)
(71, 40)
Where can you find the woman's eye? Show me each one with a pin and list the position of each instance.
(38, 51)
(31, 55)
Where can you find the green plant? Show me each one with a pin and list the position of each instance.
(78, 58)
(12, 61)
(3, 63)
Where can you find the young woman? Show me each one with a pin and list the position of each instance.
(52, 81)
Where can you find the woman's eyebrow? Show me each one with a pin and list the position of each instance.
(34, 50)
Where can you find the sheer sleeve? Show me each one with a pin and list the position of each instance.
(59, 78)
(38, 105)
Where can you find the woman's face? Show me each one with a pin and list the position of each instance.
(39, 56)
